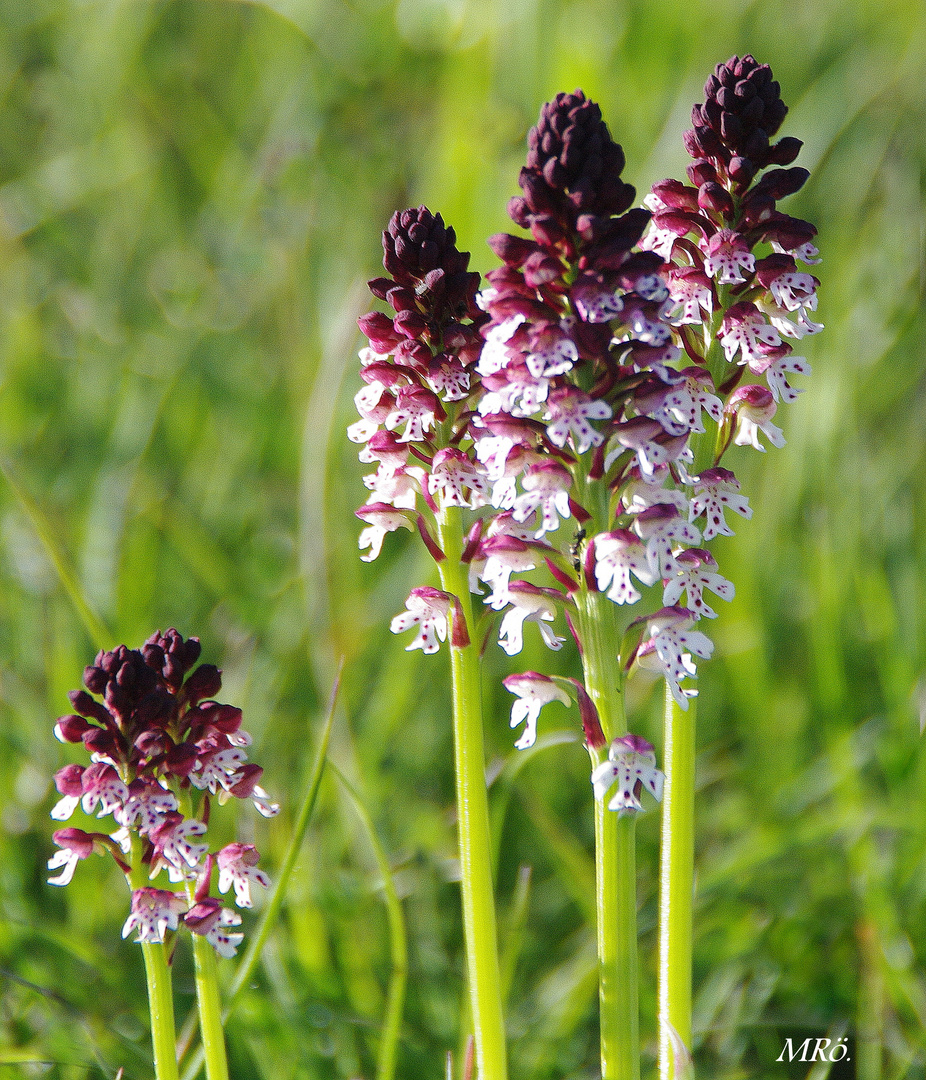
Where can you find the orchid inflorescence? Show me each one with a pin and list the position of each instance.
(162, 750)
(598, 379)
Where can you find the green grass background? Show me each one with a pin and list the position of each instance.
(191, 197)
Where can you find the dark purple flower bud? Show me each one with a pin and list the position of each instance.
(413, 354)
(420, 252)
(790, 233)
(179, 760)
(84, 704)
(248, 778)
(741, 170)
(179, 655)
(512, 250)
(773, 266)
(676, 195)
(69, 780)
(548, 232)
(780, 183)
(379, 329)
(205, 682)
(541, 268)
(72, 728)
(224, 718)
(573, 164)
(681, 222)
(742, 110)
(712, 196)
(153, 743)
(702, 172)
(784, 151)
(202, 917)
(105, 743)
(380, 287)
(401, 299)
(410, 324)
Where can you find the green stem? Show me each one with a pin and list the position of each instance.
(161, 1007)
(160, 990)
(476, 886)
(676, 891)
(615, 858)
(210, 1009)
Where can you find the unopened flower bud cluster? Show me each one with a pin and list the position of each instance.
(159, 742)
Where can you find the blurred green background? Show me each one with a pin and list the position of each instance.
(191, 197)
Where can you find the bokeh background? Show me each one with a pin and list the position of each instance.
(191, 198)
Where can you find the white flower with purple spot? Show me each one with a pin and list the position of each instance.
(75, 844)
(533, 691)
(427, 609)
(631, 765)
(668, 647)
(569, 412)
(728, 255)
(546, 489)
(617, 555)
(456, 481)
(744, 330)
(717, 490)
(381, 519)
(529, 604)
(662, 528)
(101, 785)
(754, 407)
(495, 353)
(776, 375)
(238, 867)
(697, 572)
(154, 912)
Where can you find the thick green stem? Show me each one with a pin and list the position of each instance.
(161, 1006)
(676, 891)
(615, 865)
(476, 885)
(615, 873)
(160, 990)
(210, 1009)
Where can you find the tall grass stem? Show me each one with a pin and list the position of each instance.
(398, 940)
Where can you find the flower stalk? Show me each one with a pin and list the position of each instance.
(161, 1009)
(473, 831)
(676, 891)
(160, 987)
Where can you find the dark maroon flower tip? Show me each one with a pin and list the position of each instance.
(573, 165)
(420, 253)
(741, 112)
(205, 682)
